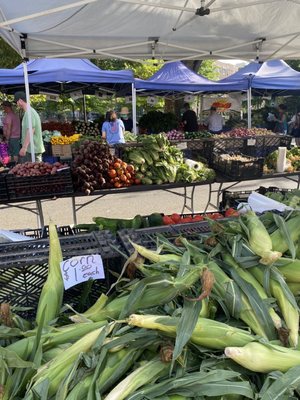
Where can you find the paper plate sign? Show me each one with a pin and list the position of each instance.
(81, 268)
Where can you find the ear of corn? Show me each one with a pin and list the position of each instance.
(149, 372)
(207, 333)
(260, 240)
(154, 256)
(51, 297)
(248, 277)
(264, 358)
(289, 312)
(290, 269)
(278, 241)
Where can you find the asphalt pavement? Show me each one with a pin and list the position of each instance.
(125, 205)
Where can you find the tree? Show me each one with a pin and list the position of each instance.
(9, 58)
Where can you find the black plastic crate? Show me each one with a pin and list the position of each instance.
(39, 187)
(264, 145)
(147, 237)
(24, 268)
(38, 233)
(3, 188)
(235, 169)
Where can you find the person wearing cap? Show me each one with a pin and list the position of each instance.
(39, 149)
(11, 130)
(128, 123)
(215, 121)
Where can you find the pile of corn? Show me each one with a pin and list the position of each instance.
(65, 139)
(213, 318)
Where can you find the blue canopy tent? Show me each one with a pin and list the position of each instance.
(177, 77)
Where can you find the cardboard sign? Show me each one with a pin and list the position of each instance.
(181, 146)
(81, 268)
(251, 142)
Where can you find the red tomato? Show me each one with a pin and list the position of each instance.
(231, 212)
(198, 218)
(175, 217)
(167, 220)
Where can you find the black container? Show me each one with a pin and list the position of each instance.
(39, 187)
(24, 269)
(264, 145)
(3, 188)
(238, 170)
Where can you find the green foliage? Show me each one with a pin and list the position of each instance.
(156, 121)
(9, 58)
(209, 70)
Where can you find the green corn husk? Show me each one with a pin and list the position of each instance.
(288, 310)
(150, 371)
(116, 366)
(155, 291)
(61, 365)
(290, 269)
(264, 358)
(278, 241)
(260, 241)
(154, 256)
(51, 297)
(294, 288)
(248, 277)
(207, 333)
(238, 304)
(55, 352)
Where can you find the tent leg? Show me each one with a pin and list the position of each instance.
(23, 45)
(84, 108)
(249, 98)
(134, 108)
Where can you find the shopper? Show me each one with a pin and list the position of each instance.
(281, 125)
(189, 119)
(11, 131)
(113, 129)
(127, 121)
(39, 149)
(215, 121)
(295, 126)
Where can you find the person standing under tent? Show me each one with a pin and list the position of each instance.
(113, 129)
(127, 121)
(295, 126)
(281, 125)
(39, 149)
(189, 119)
(11, 130)
(215, 121)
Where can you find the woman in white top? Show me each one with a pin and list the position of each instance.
(215, 121)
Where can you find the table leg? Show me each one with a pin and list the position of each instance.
(40, 213)
(74, 210)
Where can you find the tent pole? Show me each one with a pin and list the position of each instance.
(249, 98)
(23, 46)
(133, 90)
(84, 108)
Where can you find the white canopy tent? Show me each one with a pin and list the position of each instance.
(164, 29)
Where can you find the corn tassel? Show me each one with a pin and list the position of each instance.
(51, 297)
(207, 333)
(248, 277)
(258, 357)
(260, 241)
(147, 373)
(289, 313)
(278, 242)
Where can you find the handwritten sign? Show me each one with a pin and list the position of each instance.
(181, 146)
(81, 268)
(112, 151)
(251, 142)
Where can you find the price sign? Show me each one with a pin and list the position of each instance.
(112, 151)
(251, 142)
(81, 268)
(182, 146)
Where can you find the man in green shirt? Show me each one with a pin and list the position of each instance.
(39, 149)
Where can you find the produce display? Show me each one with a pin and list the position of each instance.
(234, 157)
(94, 168)
(65, 139)
(87, 128)
(210, 317)
(157, 162)
(4, 157)
(65, 128)
(36, 168)
(175, 135)
(292, 165)
(130, 137)
(197, 135)
(245, 132)
(290, 198)
(187, 219)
